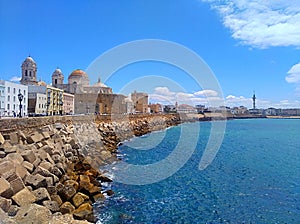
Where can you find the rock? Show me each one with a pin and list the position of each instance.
(103, 178)
(36, 137)
(83, 211)
(109, 192)
(41, 194)
(36, 162)
(33, 214)
(67, 218)
(2, 140)
(46, 134)
(67, 207)
(51, 190)
(24, 197)
(5, 204)
(84, 182)
(72, 183)
(51, 205)
(16, 184)
(6, 168)
(56, 171)
(13, 209)
(29, 166)
(15, 157)
(2, 154)
(99, 197)
(46, 165)
(10, 149)
(29, 156)
(5, 188)
(21, 171)
(36, 181)
(21, 135)
(14, 139)
(56, 198)
(79, 199)
(68, 192)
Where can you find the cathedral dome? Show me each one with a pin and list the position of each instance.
(41, 83)
(78, 76)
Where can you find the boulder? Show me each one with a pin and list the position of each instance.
(79, 199)
(6, 168)
(24, 197)
(34, 138)
(67, 207)
(83, 211)
(36, 181)
(51, 205)
(41, 194)
(29, 156)
(15, 158)
(16, 184)
(56, 198)
(5, 204)
(5, 188)
(29, 166)
(2, 140)
(14, 138)
(13, 209)
(33, 214)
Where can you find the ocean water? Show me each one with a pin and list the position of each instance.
(255, 177)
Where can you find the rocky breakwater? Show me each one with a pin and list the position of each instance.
(114, 131)
(47, 176)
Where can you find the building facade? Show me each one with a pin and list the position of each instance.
(54, 104)
(155, 108)
(37, 104)
(140, 101)
(68, 103)
(2, 98)
(12, 104)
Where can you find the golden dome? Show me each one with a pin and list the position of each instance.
(78, 72)
(41, 83)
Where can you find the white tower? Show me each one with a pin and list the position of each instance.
(29, 69)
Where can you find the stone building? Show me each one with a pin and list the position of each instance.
(68, 103)
(78, 82)
(140, 101)
(111, 104)
(155, 108)
(11, 100)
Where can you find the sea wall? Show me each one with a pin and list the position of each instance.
(49, 166)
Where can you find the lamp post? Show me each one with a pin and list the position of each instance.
(20, 97)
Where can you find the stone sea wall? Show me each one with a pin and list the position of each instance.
(49, 166)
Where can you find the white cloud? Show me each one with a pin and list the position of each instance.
(293, 74)
(261, 23)
(15, 79)
(165, 96)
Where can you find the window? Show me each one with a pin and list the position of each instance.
(39, 105)
(30, 73)
(25, 72)
(8, 106)
(14, 99)
(14, 90)
(8, 89)
(55, 81)
(8, 98)
(24, 92)
(14, 107)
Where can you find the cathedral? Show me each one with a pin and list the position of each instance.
(78, 82)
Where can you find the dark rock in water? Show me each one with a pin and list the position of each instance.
(103, 178)
(109, 192)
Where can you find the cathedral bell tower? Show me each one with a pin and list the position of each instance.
(29, 69)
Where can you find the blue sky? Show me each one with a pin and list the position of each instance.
(249, 45)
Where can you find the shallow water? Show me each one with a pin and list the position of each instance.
(255, 177)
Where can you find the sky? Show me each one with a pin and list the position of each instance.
(249, 45)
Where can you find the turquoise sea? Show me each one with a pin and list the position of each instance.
(255, 177)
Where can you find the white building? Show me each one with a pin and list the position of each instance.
(2, 98)
(11, 100)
